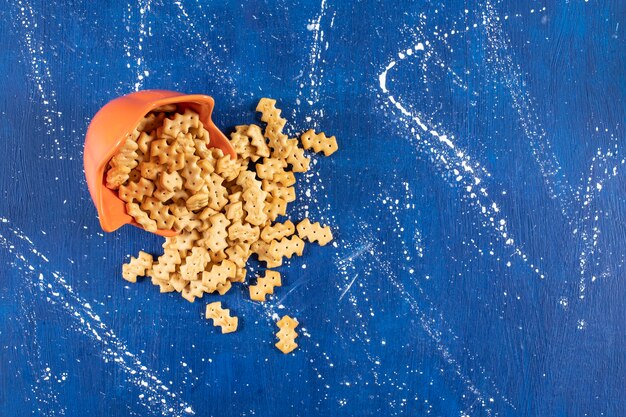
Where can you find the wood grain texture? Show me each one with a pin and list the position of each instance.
(477, 204)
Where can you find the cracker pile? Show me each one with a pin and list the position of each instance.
(224, 210)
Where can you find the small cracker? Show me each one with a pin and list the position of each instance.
(274, 207)
(218, 275)
(254, 203)
(138, 266)
(243, 233)
(180, 123)
(238, 253)
(286, 247)
(277, 231)
(257, 140)
(136, 191)
(287, 334)
(299, 162)
(194, 264)
(158, 212)
(215, 236)
(265, 285)
(314, 232)
(171, 181)
(221, 317)
(234, 211)
(141, 217)
(319, 142)
(166, 264)
(150, 170)
(197, 201)
(143, 142)
(262, 250)
(122, 163)
(270, 167)
(285, 179)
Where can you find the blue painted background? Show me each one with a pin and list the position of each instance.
(478, 204)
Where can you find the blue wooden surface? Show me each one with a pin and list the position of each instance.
(478, 201)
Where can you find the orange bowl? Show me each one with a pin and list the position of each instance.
(106, 134)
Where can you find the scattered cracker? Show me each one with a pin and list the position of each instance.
(277, 231)
(136, 267)
(286, 247)
(221, 317)
(218, 275)
(319, 142)
(314, 232)
(287, 334)
(265, 285)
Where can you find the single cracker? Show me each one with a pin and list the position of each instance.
(243, 233)
(277, 231)
(150, 170)
(271, 115)
(166, 264)
(218, 275)
(141, 217)
(287, 334)
(136, 267)
(254, 203)
(122, 163)
(194, 264)
(319, 142)
(265, 285)
(180, 123)
(136, 191)
(257, 140)
(238, 253)
(269, 168)
(286, 247)
(143, 142)
(262, 251)
(274, 207)
(314, 232)
(215, 236)
(299, 162)
(171, 181)
(197, 201)
(221, 317)
(158, 212)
